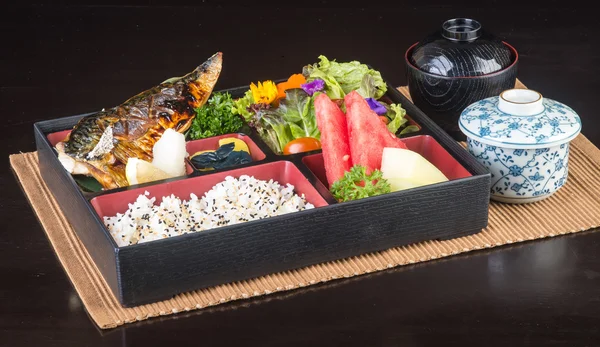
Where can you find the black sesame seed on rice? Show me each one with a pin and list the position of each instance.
(245, 199)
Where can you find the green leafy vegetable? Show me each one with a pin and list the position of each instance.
(409, 129)
(368, 87)
(240, 106)
(356, 184)
(342, 78)
(396, 115)
(87, 183)
(215, 118)
(298, 110)
(292, 119)
(332, 87)
(274, 130)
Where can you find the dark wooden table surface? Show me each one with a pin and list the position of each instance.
(60, 60)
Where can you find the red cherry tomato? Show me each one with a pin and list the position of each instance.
(302, 144)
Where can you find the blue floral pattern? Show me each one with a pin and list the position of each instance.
(483, 119)
(523, 173)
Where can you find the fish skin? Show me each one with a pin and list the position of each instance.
(137, 124)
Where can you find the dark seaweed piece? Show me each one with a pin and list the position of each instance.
(223, 157)
(208, 159)
(234, 158)
(223, 151)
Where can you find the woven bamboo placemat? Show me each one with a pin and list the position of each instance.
(574, 208)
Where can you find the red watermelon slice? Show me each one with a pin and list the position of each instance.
(367, 134)
(331, 122)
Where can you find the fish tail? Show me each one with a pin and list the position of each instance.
(202, 80)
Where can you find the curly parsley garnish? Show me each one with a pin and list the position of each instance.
(356, 184)
(215, 118)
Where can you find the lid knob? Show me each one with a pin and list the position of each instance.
(461, 29)
(521, 102)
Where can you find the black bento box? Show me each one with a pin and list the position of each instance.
(157, 270)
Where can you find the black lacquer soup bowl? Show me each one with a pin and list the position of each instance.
(455, 67)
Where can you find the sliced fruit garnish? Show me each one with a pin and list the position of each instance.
(367, 134)
(405, 169)
(139, 171)
(332, 124)
(402, 183)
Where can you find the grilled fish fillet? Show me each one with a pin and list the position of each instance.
(100, 144)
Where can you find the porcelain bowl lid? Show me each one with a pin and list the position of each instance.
(461, 48)
(520, 118)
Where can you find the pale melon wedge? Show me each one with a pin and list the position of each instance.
(402, 183)
(406, 169)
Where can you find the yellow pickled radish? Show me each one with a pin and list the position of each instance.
(240, 145)
(138, 171)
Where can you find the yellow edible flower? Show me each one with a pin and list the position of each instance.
(264, 93)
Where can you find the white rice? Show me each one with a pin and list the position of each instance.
(229, 202)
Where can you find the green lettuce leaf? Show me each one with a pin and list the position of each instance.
(240, 106)
(332, 87)
(368, 87)
(347, 76)
(298, 110)
(409, 129)
(292, 119)
(396, 115)
(272, 128)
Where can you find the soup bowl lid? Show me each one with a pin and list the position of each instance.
(521, 119)
(461, 48)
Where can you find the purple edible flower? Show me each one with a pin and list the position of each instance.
(376, 106)
(312, 87)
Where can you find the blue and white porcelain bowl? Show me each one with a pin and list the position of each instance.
(523, 139)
